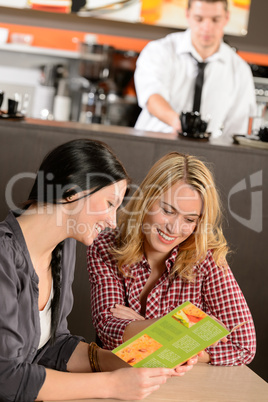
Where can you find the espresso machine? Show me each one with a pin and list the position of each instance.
(121, 103)
(95, 66)
(109, 72)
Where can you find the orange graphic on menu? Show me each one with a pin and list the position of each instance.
(139, 349)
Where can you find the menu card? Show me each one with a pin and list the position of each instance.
(173, 339)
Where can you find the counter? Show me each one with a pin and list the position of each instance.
(206, 383)
(240, 174)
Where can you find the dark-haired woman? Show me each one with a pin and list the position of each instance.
(77, 191)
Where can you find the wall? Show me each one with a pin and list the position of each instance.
(253, 47)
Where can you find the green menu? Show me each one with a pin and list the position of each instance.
(173, 339)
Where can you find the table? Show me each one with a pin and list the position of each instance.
(205, 383)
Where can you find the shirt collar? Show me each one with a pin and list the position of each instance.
(14, 228)
(186, 46)
(169, 261)
(13, 224)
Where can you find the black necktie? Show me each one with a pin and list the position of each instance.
(198, 86)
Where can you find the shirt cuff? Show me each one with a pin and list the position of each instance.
(112, 335)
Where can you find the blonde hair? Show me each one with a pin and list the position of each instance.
(170, 169)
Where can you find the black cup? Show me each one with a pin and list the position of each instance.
(196, 123)
(203, 126)
(192, 125)
(12, 107)
(263, 134)
(188, 122)
(2, 94)
(184, 122)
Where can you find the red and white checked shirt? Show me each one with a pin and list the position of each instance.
(214, 291)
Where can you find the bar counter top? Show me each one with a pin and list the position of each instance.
(119, 131)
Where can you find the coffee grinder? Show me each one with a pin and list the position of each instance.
(96, 67)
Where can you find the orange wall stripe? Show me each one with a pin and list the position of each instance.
(68, 40)
(255, 58)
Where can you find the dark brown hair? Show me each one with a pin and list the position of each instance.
(225, 3)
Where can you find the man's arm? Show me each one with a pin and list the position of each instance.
(161, 109)
(153, 82)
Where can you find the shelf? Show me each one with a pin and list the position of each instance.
(67, 54)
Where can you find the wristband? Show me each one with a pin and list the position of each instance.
(93, 358)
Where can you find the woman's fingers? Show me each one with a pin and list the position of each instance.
(137, 383)
(224, 340)
(182, 369)
(219, 321)
(192, 361)
(158, 372)
(125, 313)
(150, 390)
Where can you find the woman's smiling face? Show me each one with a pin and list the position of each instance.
(90, 215)
(171, 220)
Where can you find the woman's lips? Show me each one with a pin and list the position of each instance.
(165, 238)
(98, 228)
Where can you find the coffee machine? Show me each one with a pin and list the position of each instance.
(95, 67)
(121, 103)
(109, 97)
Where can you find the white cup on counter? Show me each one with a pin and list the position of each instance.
(62, 108)
(3, 35)
(62, 101)
(43, 102)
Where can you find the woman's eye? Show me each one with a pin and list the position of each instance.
(168, 212)
(189, 220)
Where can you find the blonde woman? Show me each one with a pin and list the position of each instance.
(169, 248)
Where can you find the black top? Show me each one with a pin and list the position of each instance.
(22, 367)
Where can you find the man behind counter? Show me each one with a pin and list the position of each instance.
(167, 69)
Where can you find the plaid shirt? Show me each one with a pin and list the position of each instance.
(214, 291)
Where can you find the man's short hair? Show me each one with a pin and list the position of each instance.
(225, 2)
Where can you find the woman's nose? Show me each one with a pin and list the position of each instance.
(173, 226)
(112, 224)
(112, 220)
